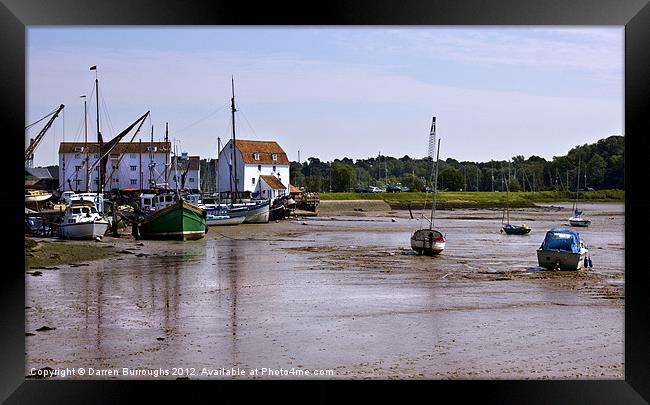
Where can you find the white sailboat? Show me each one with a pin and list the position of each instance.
(577, 219)
(430, 241)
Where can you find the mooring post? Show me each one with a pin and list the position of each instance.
(114, 224)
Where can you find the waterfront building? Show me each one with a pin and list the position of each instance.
(250, 163)
(130, 165)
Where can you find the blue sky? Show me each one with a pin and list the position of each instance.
(332, 92)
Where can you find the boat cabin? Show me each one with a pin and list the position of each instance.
(154, 202)
(80, 210)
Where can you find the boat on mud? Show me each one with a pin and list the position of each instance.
(179, 221)
(506, 226)
(82, 221)
(562, 249)
(577, 219)
(221, 216)
(429, 241)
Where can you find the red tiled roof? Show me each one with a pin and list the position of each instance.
(265, 149)
(273, 182)
(121, 147)
(293, 189)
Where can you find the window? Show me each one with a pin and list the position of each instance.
(147, 201)
(77, 168)
(96, 181)
(191, 179)
(115, 180)
(96, 156)
(134, 182)
(256, 156)
(133, 168)
(274, 156)
(259, 168)
(273, 168)
(77, 181)
(96, 169)
(77, 155)
(253, 180)
(133, 156)
(115, 167)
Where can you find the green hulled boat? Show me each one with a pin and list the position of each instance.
(181, 221)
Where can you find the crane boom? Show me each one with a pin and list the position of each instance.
(29, 152)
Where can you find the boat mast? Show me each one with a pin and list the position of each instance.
(217, 170)
(167, 156)
(100, 140)
(435, 188)
(575, 205)
(152, 183)
(86, 144)
(234, 140)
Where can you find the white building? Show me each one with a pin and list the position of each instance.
(138, 165)
(186, 170)
(254, 159)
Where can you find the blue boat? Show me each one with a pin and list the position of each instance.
(562, 249)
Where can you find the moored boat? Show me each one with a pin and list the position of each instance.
(180, 221)
(34, 196)
(577, 219)
(510, 229)
(221, 216)
(429, 241)
(506, 226)
(562, 249)
(82, 221)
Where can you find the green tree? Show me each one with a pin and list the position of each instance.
(596, 171)
(413, 182)
(451, 179)
(344, 176)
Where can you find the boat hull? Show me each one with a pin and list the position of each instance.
(561, 260)
(579, 222)
(224, 220)
(180, 221)
(428, 242)
(515, 229)
(83, 230)
(37, 198)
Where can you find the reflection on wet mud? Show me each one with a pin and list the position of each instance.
(348, 296)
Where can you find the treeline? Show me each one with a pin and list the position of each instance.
(601, 167)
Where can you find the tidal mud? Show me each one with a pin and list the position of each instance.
(342, 293)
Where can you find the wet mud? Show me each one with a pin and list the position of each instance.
(344, 293)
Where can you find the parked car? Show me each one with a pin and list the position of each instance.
(360, 190)
(405, 189)
(373, 189)
(393, 189)
(426, 189)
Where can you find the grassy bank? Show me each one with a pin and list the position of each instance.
(470, 199)
(39, 254)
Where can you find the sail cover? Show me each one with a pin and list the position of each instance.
(562, 240)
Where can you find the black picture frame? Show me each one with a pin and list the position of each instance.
(15, 15)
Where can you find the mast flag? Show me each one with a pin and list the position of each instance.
(93, 67)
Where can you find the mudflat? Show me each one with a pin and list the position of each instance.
(338, 296)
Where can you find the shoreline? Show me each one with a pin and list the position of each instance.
(47, 253)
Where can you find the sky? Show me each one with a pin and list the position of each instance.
(333, 92)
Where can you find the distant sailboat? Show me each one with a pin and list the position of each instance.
(507, 227)
(577, 219)
(429, 241)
